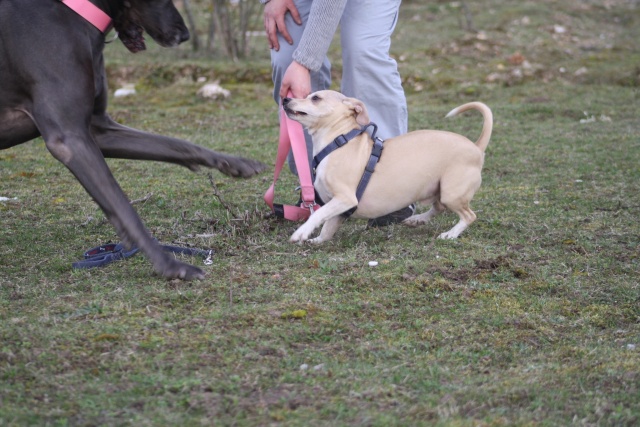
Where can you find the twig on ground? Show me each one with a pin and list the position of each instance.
(142, 200)
(217, 195)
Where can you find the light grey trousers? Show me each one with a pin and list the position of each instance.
(369, 73)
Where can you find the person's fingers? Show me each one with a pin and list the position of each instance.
(285, 87)
(282, 27)
(271, 30)
(295, 14)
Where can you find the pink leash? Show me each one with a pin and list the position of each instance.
(91, 13)
(292, 137)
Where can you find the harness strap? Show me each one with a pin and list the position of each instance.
(91, 13)
(339, 142)
(374, 158)
(376, 152)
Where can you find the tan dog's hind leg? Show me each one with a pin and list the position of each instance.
(329, 211)
(458, 228)
(467, 216)
(456, 192)
(421, 219)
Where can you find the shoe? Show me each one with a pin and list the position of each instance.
(393, 217)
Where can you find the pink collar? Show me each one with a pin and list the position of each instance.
(91, 13)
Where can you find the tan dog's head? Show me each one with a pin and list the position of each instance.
(327, 113)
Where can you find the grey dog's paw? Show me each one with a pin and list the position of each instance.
(174, 269)
(239, 167)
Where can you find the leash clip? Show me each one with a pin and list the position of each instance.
(115, 37)
(208, 260)
(309, 206)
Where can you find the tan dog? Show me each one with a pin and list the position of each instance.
(428, 166)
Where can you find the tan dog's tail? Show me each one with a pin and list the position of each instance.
(487, 127)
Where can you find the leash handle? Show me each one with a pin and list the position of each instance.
(292, 138)
(110, 252)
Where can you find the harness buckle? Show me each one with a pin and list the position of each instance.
(341, 140)
(377, 147)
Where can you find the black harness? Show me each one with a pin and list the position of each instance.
(376, 152)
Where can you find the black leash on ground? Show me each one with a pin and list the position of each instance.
(110, 252)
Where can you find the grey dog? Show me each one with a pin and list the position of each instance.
(53, 84)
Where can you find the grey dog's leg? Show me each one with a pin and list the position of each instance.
(118, 141)
(70, 141)
(77, 151)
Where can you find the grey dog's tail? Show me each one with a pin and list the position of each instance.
(483, 141)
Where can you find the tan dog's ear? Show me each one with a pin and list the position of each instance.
(360, 111)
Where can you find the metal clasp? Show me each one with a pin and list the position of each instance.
(309, 206)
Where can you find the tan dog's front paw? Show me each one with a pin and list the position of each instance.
(300, 236)
(447, 236)
(296, 238)
(316, 240)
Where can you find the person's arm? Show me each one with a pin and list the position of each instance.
(321, 26)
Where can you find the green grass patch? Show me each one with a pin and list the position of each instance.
(531, 318)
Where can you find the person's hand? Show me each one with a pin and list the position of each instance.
(274, 13)
(296, 79)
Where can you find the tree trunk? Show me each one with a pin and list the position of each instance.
(195, 40)
(224, 24)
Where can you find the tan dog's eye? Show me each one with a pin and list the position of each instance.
(315, 98)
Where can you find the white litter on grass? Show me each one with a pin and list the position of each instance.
(205, 236)
(581, 71)
(591, 118)
(304, 367)
(559, 29)
(125, 90)
(213, 91)
(588, 119)
(373, 263)
(7, 199)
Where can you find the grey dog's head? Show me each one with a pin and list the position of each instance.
(159, 18)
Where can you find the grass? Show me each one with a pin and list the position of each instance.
(530, 318)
